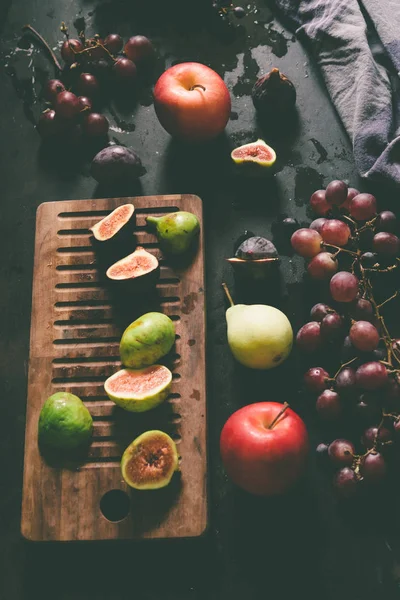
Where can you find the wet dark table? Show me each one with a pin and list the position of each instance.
(300, 546)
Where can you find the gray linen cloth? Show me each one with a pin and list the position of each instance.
(364, 88)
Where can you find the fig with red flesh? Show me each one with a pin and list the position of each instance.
(254, 257)
(150, 461)
(115, 227)
(255, 158)
(139, 390)
(139, 270)
(274, 94)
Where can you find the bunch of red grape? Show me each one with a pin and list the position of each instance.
(366, 386)
(89, 63)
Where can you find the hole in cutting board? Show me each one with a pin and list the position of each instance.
(115, 505)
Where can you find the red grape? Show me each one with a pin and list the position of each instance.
(87, 85)
(386, 221)
(328, 405)
(362, 310)
(371, 376)
(113, 42)
(322, 266)
(364, 336)
(336, 192)
(374, 435)
(351, 192)
(345, 483)
(317, 224)
(322, 450)
(95, 124)
(363, 207)
(332, 327)
(386, 244)
(373, 468)
(139, 48)
(53, 88)
(316, 379)
(308, 338)
(125, 70)
(69, 48)
(48, 125)
(344, 287)
(67, 105)
(335, 232)
(319, 311)
(346, 381)
(306, 242)
(85, 103)
(341, 452)
(369, 259)
(319, 204)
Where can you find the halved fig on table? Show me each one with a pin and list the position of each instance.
(150, 461)
(116, 226)
(139, 269)
(254, 257)
(139, 390)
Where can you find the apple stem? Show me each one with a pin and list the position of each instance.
(197, 85)
(228, 294)
(280, 413)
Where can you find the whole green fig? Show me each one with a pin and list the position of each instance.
(175, 231)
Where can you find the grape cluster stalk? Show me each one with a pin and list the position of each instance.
(349, 246)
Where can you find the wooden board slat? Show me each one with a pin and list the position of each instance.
(76, 325)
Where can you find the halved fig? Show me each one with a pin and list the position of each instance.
(139, 390)
(150, 461)
(254, 158)
(139, 269)
(254, 257)
(118, 224)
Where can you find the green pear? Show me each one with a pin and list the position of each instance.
(259, 336)
(175, 231)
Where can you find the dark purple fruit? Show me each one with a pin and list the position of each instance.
(116, 163)
(274, 93)
(254, 257)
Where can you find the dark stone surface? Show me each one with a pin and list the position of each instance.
(300, 546)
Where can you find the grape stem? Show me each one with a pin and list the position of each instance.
(388, 300)
(340, 249)
(346, 364)
(228, 294)
(41, 39)
(278, 416)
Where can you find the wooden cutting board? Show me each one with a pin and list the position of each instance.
(76, 326)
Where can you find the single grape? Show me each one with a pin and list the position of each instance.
(113, 42)
(322, 266)
(341, 453)
(363, 207)
(322, 451)
(344, 286)
(346, 382)
(336, 192)
(376, 435)
(362, 310)
(348, 351)
(335, 232)
(393, 391)
(379, 354)
(139, 49)
(317, 224)
(319, 311)
(364, 336)
(101, 69)
(53, 88)
(87, 85)
(351, 192)
(328, 405)
(69, 49)
(345, 483)
(48, 125)
(85, 103)
(319, 204)
(386, 244)
(369, 259)
(306, 242)
(67, 105)
(95, 124)
(373, 468)
(386, 221)
(371, 376)
(239, 12)
(332, 327)
(290, 226)
(125, 70)
(308, 337)
(316, 379)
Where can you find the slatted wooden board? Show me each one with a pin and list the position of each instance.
(75, 330)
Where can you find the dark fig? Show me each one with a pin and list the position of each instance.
(274, 93)
(114, 163)
(139, 271)
(254, 257)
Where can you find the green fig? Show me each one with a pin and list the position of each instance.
(175, 231)
(146, 340)
(259, 336)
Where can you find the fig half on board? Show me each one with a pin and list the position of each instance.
(150, 461)
(139, 270)
(254, 258)
(115, 227)
(139, 390)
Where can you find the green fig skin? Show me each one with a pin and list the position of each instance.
(176, 231)
(146, 340)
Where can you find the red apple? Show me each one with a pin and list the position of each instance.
(264, 452)
(192, 102)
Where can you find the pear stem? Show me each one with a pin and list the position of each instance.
(228, 294)
(280, 413)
